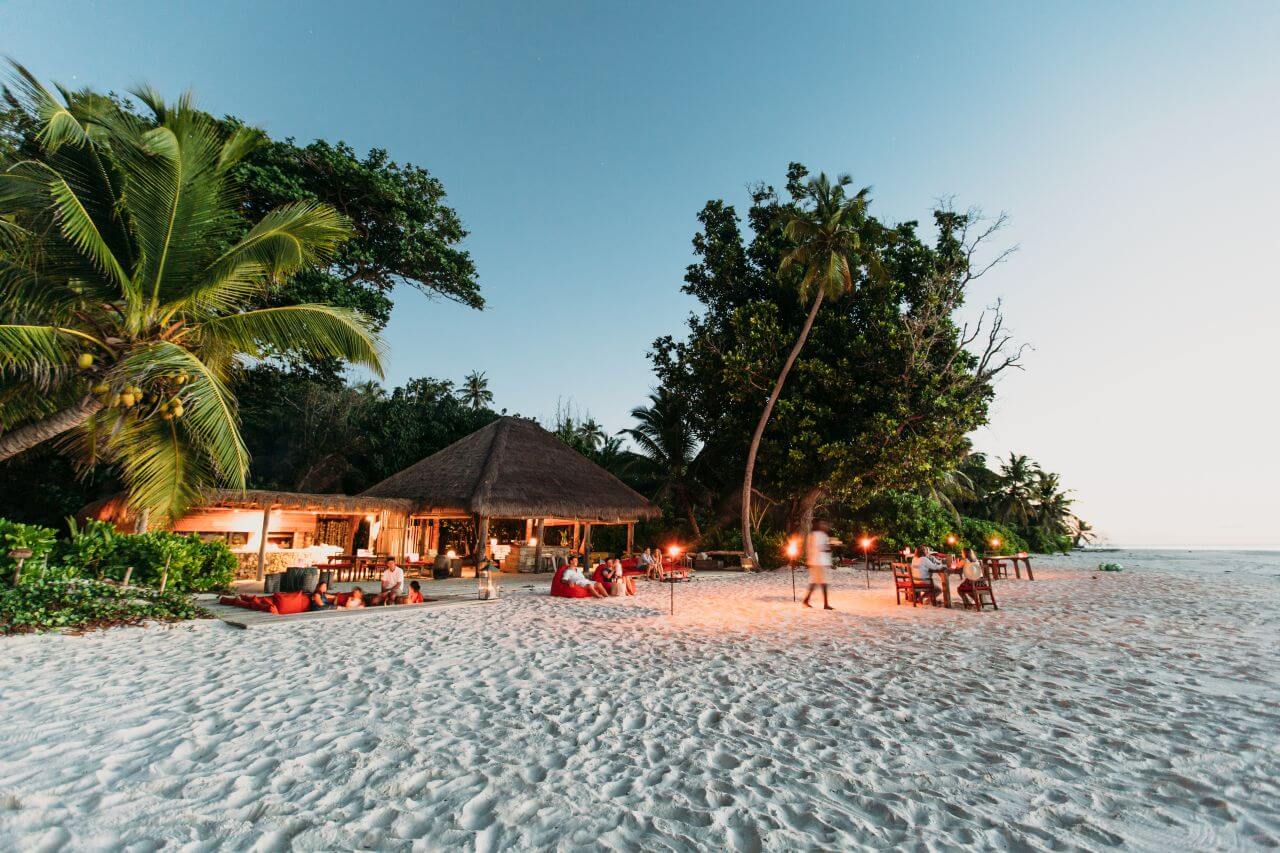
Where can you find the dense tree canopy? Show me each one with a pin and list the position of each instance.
(886, 388)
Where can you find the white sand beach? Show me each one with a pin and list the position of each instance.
(1138, 709)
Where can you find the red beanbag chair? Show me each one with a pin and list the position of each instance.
(563, 590)
(262, 603)
(340, 599)
(631, 566)
(291, 602)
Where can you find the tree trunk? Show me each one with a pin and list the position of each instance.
(26, 437)
(747, 545)
(807, 504)
(687, 500)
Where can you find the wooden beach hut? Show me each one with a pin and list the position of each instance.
(513, 470)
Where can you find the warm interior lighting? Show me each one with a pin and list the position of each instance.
(451, 554)
(369, 518)
(533, 541)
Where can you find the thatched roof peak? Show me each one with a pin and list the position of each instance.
(514, 468)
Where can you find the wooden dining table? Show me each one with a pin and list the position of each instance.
(992, 561)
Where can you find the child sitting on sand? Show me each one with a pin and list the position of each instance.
(414, 596)
(356, 600)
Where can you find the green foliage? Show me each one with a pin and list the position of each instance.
(900, 520)
(38, 540)
(885, 389)
(193, 565)
(127, 272)
(87, 548)
(84, 604)
(977, 533)
(404, 232)
(32, 537)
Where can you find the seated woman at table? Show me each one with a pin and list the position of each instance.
(321, 599)
(923, 565)
(971, 569)
(356, 600)
(573, 576)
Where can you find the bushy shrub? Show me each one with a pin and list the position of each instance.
(979, 532)
(900, 520)
(770, 547)
(46, 604)
(38, 540)
(1045, 543)
(193, 565)
(86, 548)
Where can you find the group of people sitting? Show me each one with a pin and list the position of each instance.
(925, 563)
(392, 580)
(613, 581)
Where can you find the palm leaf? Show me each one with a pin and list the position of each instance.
(315, 330)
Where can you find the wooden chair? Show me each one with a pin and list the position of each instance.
(982, 592)
(904, 583)
(996, 569)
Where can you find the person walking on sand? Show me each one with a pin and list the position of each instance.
(818, 559)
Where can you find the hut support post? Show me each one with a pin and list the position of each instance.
(586, 545)
(482, 528)
(262, 544)
(631, 538)
(576, 541)
(537, 548)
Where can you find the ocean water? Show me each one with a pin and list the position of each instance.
(1263, 563)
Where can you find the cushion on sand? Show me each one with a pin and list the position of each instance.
(291, 602)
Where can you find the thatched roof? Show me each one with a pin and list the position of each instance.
(117, 510)
(513, 468)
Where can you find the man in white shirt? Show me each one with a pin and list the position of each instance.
(818, 559)
(574, 576)
(924, 564)
(392, 578)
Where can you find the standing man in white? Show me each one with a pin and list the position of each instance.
(818, 558)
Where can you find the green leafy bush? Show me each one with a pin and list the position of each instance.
(38, 540)
(193, 565)
(87, 548)
(978, 533)
(900, 520)
(47, 604)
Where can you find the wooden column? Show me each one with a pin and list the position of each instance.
(262, 544)
(631, 538)
(576, 529)
(482, 529)
(541, 533)
(586, 545)
(528, 529)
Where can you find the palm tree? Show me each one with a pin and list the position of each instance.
(126, 292)
(665, 440)
(1013, 500)
(1052, 505)
(1081, 532)
(475, 390)
(827, 242)
(591, 433)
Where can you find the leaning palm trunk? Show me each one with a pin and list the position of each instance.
(26, 437)
(747, 546)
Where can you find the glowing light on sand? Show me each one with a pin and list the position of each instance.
(995, 542)
(865, 542)
(793, 549)
(673, 551)
(951, 539)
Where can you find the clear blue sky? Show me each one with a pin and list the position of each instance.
(1136, 147)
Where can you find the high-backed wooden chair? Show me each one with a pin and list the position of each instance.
(983, 593)
(904, 583)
